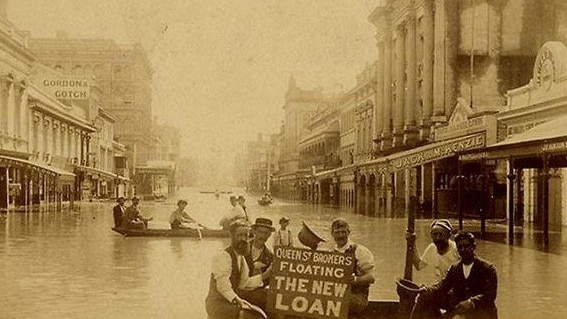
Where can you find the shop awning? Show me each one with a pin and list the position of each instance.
(546, 138)
(47, 169)
(105, 175)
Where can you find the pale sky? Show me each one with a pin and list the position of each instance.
(221, 66)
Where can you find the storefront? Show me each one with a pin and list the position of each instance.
(27, 185)
(529, 163)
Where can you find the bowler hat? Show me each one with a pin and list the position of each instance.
(120, 199)
(263, 222)
(135, 198)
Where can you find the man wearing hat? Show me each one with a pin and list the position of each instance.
(133, 218)
(118, 211)
(235, 212)
(230, 284)
(283, 237)
(441, 253)
(260, 257)
(363, 275)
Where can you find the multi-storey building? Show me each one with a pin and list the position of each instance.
(431, 55)
(299, 107)
(319, 151)
(41, 137)
(124, 76)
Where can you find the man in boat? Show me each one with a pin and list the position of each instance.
(260, 257)
(118, 211)
(441, 253)
(283, 237)
(235, 212)
(230, 282)
(179, 217)
(133, 218)
(363, 275)
(472, 282)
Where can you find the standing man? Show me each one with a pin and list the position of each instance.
(260, 257)
(283, 236)
(242, 203)
(230, 276)
(133, 218)
(472, 282)
(235, 212)
(363, 275)
(441, 253)
(118, 211)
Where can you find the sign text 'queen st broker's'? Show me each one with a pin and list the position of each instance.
(311, 284)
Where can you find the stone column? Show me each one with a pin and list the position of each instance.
(410, 99)
(399, 86)
(379, 105)
(4, 83)
(439, 62)
(427, 71)
(11, 107)
(387, 94)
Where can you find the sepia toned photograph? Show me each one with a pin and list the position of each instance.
(247, 159)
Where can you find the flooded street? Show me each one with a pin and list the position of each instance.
(71, 265)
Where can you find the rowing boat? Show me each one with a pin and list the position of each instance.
(205, 232)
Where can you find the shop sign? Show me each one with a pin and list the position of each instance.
(309, 283)
(66, 88)
(460, 128)
(473, 156)
(557, 146)
(438, 152)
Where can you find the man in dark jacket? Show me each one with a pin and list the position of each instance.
(468, 290)
(118, 211)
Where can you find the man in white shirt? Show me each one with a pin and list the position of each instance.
(441, 253)
(363, 275)
(230, 280)
(235, 212)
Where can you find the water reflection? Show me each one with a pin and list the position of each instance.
(69, 264)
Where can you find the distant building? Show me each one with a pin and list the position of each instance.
(124, 76)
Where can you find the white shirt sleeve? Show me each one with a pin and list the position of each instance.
(276, 238)
(221, 269)
(247, 282)
(428, 256)
(365, 259)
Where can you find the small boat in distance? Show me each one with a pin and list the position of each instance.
(205, 232)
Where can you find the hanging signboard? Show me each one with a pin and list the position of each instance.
(309, 283)
(66, 88)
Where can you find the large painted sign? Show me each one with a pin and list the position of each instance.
(437, 151)
(309, 283)
(66, 88)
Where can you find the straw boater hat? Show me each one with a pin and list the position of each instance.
(263, 222)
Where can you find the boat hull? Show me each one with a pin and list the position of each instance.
(206, 233)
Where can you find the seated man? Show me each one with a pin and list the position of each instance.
(468, 290)
(363, 275)
(179, 216)
(230, 280)
(235, 212)
(132, 218)
(118, 211)
(260, 257)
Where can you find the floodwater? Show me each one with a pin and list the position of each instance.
(69, 264)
